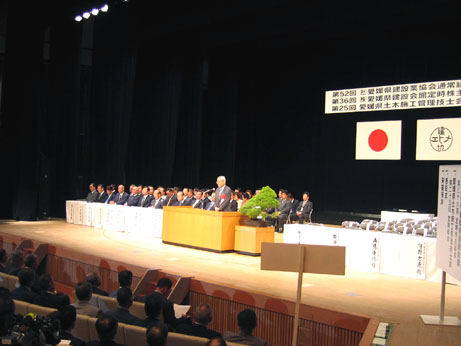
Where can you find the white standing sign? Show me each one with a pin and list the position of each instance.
(448, 256)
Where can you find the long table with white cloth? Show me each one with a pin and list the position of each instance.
(112, 217)
(369, 251)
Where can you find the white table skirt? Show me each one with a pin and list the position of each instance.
(400, 215)
(368, 251)
(112, 217)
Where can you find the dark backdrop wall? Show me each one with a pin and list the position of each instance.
(183, 94)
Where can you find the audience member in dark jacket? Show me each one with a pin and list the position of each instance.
(247, 323)
(67, 316)
(48, 297)
(157, 334)
(125, 277)
(24, 292)
(199, 327)
(123, 314)
(106, 326)
(153, 309)
(16, 263)
(95, 280)
(3, 260)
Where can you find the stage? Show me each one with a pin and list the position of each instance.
(389, 298)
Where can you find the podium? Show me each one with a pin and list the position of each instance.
(200, 229)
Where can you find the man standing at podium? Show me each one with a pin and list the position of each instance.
(223, 195)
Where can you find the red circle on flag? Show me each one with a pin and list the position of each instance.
(378, 140)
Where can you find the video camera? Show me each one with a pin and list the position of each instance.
(33, 330)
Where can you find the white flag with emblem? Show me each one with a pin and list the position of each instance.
(439, 139)
(378, 140)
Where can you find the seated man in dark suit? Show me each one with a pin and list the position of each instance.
(3, 260)
(162, 290)
(106, 326)
(110, 194)
(284, 209)
(157, 334)
(133, 199)
(199, 327)
(125, 278)
(93, 194)
(156, 202)
(102, 195)
(67, 315)
(16, 263)
(31, 263)
(95, 281)
(121, 197)
(198, 201)
(24, 292)
(122, 313)
(153, 309)
(247, 323)
(304, 208)
(144, 201)
(294, 206)
(48, 297)
(180, 201)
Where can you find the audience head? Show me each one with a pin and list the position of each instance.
(100, 188)
(156, 194)
(46, 283)
(106, 326)
(83, 291)
(180, 196)
(17, 258)
(31, 261)
(145, 190)
(216, 342)
(124, 297)
(67, 315)
(139, 189)
(198, 194)
(213, 197)
(157, 334)
(150, 190)
(94, 279)
(185, 191)
(121, 188)
(169, 192)
(203, 314)
(284, 194)
(245, 196)
(153, 306)
(290, 197)
(247, 320)
(306, 196)
(132, 188)
(3, 256)
(249, 192)
(92, 187)
(164, 286)
(280, 193)
(125, 277)
(161, 189)
(6, 313)
(26, 277)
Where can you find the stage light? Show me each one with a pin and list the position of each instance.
(86, 15)
(78, 18)
(94, 11)
(105, 8)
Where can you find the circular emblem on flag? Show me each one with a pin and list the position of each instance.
(377, 140)
(441, 139)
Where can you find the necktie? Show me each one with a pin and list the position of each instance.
(120, 197)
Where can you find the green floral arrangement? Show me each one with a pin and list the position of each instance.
(257, 206)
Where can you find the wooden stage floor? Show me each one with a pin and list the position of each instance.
(389, 298)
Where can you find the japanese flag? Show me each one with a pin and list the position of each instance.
(439, 139)
(378, 140)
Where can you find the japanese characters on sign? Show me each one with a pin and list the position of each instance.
(448, 255)
(394, 97)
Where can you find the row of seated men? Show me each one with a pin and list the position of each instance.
(146, 196)
(156, 304)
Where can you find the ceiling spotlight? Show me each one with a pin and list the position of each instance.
(86, 15)
(94, 11)
(78, 18)
(105, 8)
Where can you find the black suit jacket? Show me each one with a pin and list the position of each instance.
(167, 311)
(110, 198)
(133, 200)
(197, 204)
(11, 269)
(223, 198)
(285, 207)
(156, 203)
(121, 200)
(101, 198)
(307, 208)
(124, 316)
(97, 290)
(73, 340)
(24, 294)
(49, 300)
(188, 200)
(195, 329)
(144, 203)
(234, 205)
